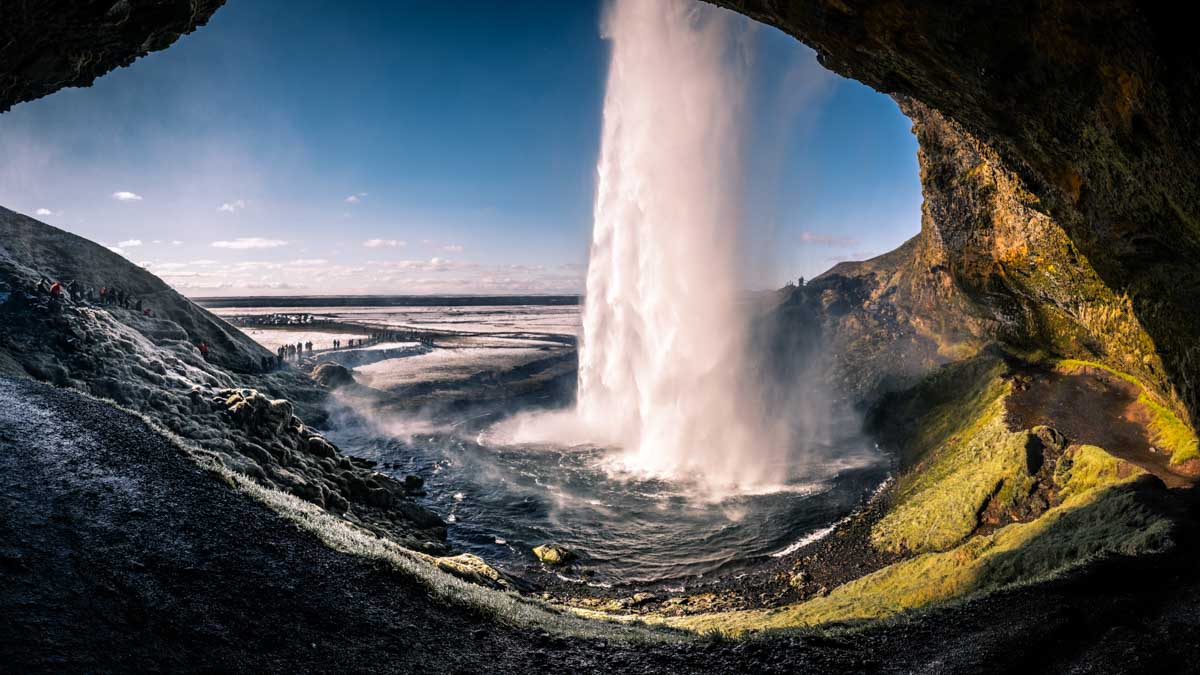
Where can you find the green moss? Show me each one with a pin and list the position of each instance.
(1086, 468)
(1096, 521)
(938, 506)
(1170, 433)
(941, 407)
(1070, 364)
(958, 454)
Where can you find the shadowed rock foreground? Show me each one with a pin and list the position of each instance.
(120, 554)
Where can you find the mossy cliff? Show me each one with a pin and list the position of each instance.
(1093, 106)
(989, 265)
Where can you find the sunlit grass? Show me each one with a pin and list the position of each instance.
(1101, 517)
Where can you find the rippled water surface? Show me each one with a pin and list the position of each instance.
(501, 502)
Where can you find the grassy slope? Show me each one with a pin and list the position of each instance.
(957, 454)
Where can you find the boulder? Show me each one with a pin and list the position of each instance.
(472, 568)
(1051, 437)
(332, 375)
(554, 554)
(320, 447)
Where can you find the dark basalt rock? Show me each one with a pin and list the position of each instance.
(48, 45)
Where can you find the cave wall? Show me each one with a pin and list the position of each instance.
(1017, 265)
(1092, 105)
(46, 45)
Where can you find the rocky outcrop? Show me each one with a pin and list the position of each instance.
(45, 46)
(554, 554)
(247, 418)
(332, 375)
(1092, 106)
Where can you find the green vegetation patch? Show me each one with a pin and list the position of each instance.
(944, 405)
(960, 456)
(1170, 433)
(938, 506)
(1101, 517)
(1087, 467)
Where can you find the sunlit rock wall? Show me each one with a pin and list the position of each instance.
(1095, 107)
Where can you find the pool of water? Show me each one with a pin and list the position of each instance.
(500, 502)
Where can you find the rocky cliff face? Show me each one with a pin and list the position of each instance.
(988, 265)
(1088, 112)
(45, 46)
(1016, 264)
(238, 413)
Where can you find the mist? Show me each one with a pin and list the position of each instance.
(669, 372)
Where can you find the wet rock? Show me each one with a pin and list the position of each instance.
(320, 447)
(472, 568)
(554, 554)
(639, 599)
(1051, 437)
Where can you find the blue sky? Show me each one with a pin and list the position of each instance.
(407, 147)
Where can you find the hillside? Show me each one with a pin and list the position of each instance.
(253, 418)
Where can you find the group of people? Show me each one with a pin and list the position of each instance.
(58, 292)
(111, 295)
(378, 336)
(294, 351)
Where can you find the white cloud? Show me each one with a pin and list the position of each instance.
(124, 196)
(156, 241)
(308, 262)
(176, 242)
(44, 212)
(355, 198)
(383, 243)
(129, 243)
(232, 207)
(827, 239)
(250, 242)
(453, 248)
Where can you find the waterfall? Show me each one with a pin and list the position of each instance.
(662, 357)
(663, 372)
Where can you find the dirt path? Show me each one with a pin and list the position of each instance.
(1091, 407)
(118, 554)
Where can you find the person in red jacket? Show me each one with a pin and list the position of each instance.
(204, 350)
